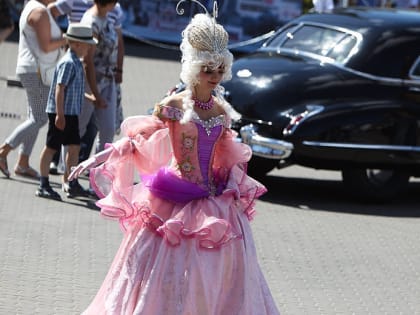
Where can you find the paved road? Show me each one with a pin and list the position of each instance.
(321, 252)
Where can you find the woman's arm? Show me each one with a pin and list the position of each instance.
(91, 78)
(120, 57)
(98, 158)
(40, 21)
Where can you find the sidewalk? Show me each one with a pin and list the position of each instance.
(321, 253)
(54, 255)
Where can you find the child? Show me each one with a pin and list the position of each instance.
(63, 108)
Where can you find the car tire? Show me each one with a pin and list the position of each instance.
(258, 167)
(375, 185)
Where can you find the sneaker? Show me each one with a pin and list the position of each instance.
(47, 192)
(74, 190)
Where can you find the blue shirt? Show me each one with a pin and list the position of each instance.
(70, 73)
(76, 8)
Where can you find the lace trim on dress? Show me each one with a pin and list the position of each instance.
(174, 113)
(210, 123)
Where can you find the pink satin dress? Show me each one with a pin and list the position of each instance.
(184, 202)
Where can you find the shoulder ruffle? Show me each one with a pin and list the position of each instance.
(141, 125)
(229, 152)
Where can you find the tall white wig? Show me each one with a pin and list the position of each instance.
(204, 43)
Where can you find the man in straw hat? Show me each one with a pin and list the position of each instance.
(63, 108)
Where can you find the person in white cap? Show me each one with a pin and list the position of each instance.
(63, 109)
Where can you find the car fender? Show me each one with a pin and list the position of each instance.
(357, 133)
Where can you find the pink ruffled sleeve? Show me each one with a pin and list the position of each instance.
(246, 189)
(228, 152)
(232, 157)
(143, 150)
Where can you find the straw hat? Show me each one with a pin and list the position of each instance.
(80, 33)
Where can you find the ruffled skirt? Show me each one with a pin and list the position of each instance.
(194, 258)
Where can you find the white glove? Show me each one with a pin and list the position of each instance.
(85, 165)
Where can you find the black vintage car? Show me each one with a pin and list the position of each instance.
(337, 91)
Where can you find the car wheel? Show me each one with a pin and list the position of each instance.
(258, 167)
(375, 185)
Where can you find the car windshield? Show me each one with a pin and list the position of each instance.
(317, 40)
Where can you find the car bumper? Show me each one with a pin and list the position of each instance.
(265, 147)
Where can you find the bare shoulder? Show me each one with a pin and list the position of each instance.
(219, 109)
(37, 15)
(173, 100)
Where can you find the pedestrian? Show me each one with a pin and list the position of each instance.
(74, 10)
(6, 22)
(40, 40)
(100, 68)
(323, 6)
(63, 108)
(116, 16)
(187, 247)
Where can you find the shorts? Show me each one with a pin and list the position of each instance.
(68, 136)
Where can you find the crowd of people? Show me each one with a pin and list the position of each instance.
(40, 40)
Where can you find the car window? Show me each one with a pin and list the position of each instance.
(279, 38)
(343, 49)
(415, 69)
(328, 42)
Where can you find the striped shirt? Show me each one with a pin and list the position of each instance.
(74, 9)
(70, 73)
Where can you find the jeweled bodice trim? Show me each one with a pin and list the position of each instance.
(209, 124)
(173, 113)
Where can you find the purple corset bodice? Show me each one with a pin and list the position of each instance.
(168, 185)
(206, 143)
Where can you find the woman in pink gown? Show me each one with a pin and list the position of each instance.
(188, 247)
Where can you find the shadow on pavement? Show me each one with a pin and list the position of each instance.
(82, 202)
(331, 195)
(56, 185)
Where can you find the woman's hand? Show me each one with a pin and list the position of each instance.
(91, 162)
(90, 97)
(99, 102)
(79, 169)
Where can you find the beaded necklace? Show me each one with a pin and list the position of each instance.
(204, 105)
